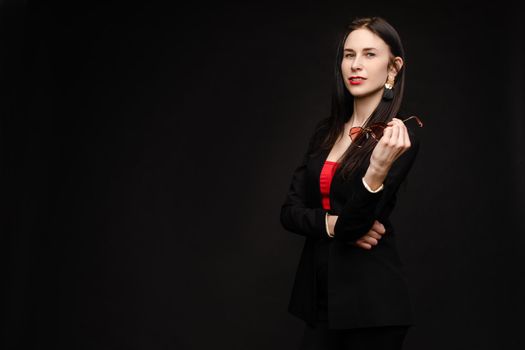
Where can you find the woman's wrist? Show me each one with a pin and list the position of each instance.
(375, 176)
(378, 169)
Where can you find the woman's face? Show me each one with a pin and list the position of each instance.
(366, 55)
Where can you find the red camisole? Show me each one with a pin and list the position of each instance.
(325, 179)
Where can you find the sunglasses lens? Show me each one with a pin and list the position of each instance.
(377, 129)
(357, 135)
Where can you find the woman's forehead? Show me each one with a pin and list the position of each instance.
(361, 39)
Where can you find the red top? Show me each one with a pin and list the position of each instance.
(325, 179)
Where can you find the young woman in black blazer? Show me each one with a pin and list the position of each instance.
(350, 287)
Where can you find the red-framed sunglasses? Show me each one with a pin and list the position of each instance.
(359, 135)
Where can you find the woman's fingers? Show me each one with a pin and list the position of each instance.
(396, 137)
(404, 139)
(392, 142)
(402, 134)
(373, 234)
(370, 240)
(387, 133)
(378, 227)
(367, 241)
(372, 237)
(361, 244)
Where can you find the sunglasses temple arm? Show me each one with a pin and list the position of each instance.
(419, 122)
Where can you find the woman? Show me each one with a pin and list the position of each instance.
(350, 287)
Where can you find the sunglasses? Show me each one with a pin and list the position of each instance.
(360, 135)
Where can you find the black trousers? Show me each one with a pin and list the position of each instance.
(371, 338)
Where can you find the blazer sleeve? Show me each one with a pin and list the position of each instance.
(364, 207)
(295, 216)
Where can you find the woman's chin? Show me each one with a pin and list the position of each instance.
(363, 94)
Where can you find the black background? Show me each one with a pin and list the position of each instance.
(147, 148)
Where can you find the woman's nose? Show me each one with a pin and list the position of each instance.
(356, 64)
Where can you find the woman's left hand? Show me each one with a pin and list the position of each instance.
(394, 142)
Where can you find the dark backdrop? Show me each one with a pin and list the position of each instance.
(147, 149)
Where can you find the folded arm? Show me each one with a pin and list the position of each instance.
(295, 216)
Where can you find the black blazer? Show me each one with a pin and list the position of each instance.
(365, 287)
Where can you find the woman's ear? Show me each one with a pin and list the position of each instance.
(396, 66)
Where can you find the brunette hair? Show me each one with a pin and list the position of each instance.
(330, 128)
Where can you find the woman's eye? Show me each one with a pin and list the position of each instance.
(369, 54)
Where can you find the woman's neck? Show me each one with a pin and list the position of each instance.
(363, 108)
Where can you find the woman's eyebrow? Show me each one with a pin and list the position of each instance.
(365, 49)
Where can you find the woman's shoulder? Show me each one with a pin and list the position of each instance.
(318, 132)
(320, 126)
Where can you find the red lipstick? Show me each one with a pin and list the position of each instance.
(356, 80)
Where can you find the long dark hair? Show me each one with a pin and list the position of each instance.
(330, 128)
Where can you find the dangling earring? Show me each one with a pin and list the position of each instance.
(388, 93)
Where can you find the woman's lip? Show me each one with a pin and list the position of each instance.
(356, 82)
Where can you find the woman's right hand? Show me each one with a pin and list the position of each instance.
(372, 237)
